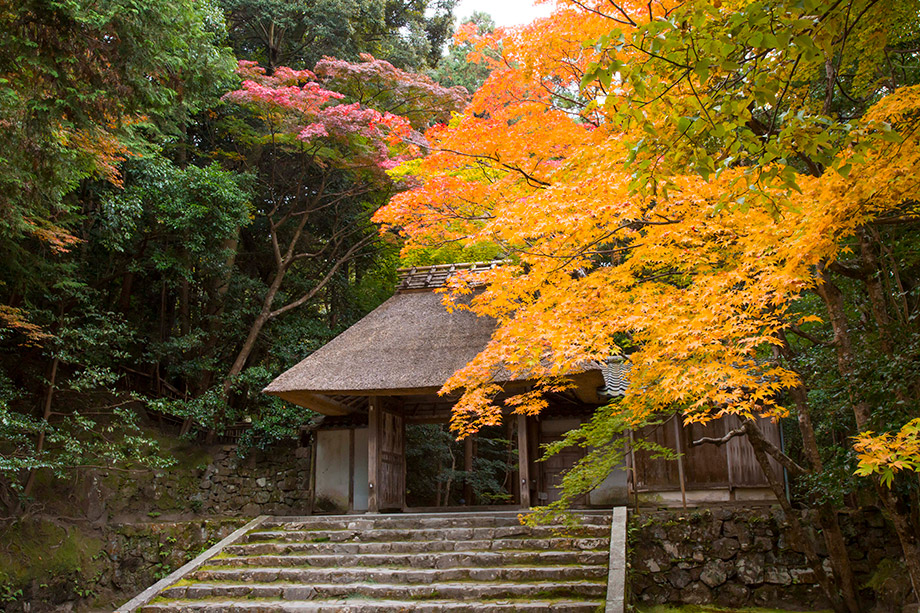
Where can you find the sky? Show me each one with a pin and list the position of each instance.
(504, 12)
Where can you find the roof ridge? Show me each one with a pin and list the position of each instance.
(436, 275)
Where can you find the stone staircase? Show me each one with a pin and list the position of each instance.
(412, 562)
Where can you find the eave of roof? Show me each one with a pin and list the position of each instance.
(410, 342)
(409, 345)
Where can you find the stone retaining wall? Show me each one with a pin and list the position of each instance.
(126, 529)
(217, 482)
(746, 557)
(113, 564)
(275, 483)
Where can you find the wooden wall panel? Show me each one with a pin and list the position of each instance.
(746, 472)
(704, 465)
(652, 473)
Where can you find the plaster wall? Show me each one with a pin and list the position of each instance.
(360, 482)
(333, 455)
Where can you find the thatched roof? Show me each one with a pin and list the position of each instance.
(408, 344)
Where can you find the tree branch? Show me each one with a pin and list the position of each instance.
(712, 440)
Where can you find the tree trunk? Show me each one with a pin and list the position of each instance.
(827, 516)
(876, 294)
(897, 511)
(124, 297)
(756, 439)
(46, 413)
(185, 319)
(243, 355)
(217, 295)
(439, 484)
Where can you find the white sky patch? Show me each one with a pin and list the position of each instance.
(504, 12)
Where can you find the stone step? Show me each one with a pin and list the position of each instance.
(426, 534)
(443, 559)
(413, 521)
(387, 563)
(376, 606)
(391, 547)
(399, 576)
(464, 590)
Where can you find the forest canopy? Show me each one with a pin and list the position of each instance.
(184, 213)
(723, 192)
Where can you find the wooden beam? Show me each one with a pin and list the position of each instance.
(351, 469)
(468, 469)
(315, 402)
(633, 472)
(524, 461)
(730, 460)
(313, 446)
(680, 461)
(373, 447)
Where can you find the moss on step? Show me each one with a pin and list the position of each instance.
(710, 609)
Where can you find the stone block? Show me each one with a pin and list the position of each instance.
(716, 572)
(655, 595)
(696, 593)
(732, 595)
(779, 576)
(766, 595)
(750, 568)
(762, 544)
(679, 578)
(725, 548)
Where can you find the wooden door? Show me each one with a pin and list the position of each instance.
(745, 470)
(707, 466)
(554, 468)
(392, 475)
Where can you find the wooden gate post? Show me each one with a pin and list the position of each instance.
(523, 461)
(373, 445)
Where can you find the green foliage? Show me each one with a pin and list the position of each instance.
(453, 253)
(18, 432)
(432, 457)
(80, 83)
(97, 429)
(188, 210)
(300, 33)
(272, 419)
(34, 550)
(455, 68)
(436, 466)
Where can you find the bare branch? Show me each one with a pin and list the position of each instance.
(712, 440)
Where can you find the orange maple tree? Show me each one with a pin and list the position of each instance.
(669, 178)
